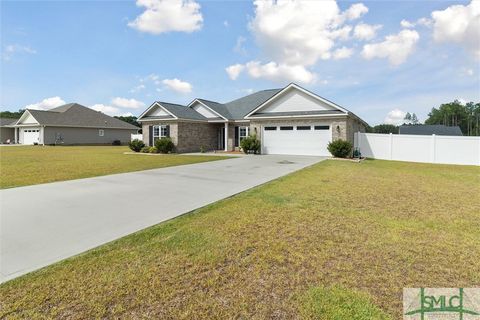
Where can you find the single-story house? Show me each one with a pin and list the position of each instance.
(290, 120)
(7, 130)
(425, 129)
(70, 124)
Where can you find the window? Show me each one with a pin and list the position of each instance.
(270, 128)
(242, 133)
(101, 133)
(322, 127)
(304, 127)
(160, 132)
(286, 128)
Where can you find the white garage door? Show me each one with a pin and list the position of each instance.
(297, 140)
(31, 136)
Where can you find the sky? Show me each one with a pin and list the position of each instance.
(378, 59)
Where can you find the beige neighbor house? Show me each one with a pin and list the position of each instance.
(290, 120)
(70, 124)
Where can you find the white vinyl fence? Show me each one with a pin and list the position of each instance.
(138, 136)
(419, 148)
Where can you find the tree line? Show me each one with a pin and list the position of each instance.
(466, 116)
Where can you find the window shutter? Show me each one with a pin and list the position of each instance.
(168, 130)
(150, 136)
(236, 136)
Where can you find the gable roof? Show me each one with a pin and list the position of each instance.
(76, 115)
(7, 121)
(424, 129)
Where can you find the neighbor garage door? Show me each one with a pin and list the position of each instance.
(31, 136)
(305, 139)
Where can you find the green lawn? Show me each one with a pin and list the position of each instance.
(338, 240)
(21, 166)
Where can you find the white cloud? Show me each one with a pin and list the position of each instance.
(127, 114)
(234, 70)
(396, 48)
(459, 24)
(239, 48)
(356, 11)
(226, 23)
(469, 72)
(12, 49)
(138, 88)
(301, 32)
(46, 104)
(168, 15)
(365, 31)
(111, 111)
(127, 103)
(178, 85)
(407, 24)
(342, 53)
(293, 35)
(279, 72)
(395, 117)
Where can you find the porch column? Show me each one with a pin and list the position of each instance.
(226, 136)
(16, 135)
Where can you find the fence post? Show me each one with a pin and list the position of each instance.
(391, 146)
(432, 148)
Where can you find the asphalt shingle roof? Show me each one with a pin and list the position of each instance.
(239, 108)
(423, 129)
(182, 112)
(7, 121)
(76, 115)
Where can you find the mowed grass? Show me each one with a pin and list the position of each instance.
(22, 166)
(337, 240)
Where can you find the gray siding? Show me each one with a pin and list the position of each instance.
(7, 133)
(86, 135)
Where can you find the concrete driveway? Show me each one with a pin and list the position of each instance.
(46, 223)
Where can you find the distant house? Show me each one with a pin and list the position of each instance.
(7, 130)
(424, 129)
(70, 124)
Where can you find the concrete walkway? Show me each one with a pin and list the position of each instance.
(47, 223)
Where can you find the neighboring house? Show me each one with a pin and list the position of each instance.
(290, 120)
(70, 124)
(424, 129)
(7, 130)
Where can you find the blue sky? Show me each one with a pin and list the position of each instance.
(119, 57)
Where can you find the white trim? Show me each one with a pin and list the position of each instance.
(156, 103)
(203, 104)
(22, 117)
(293, 85)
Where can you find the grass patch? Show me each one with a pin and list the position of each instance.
(352, 231)
(338, 303)
(22, 166)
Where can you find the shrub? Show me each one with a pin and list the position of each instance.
(145, 149)
(250, 144)
(116, 143)
(164, 145)
(153, 150)
(136, 145)
(340, 148)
